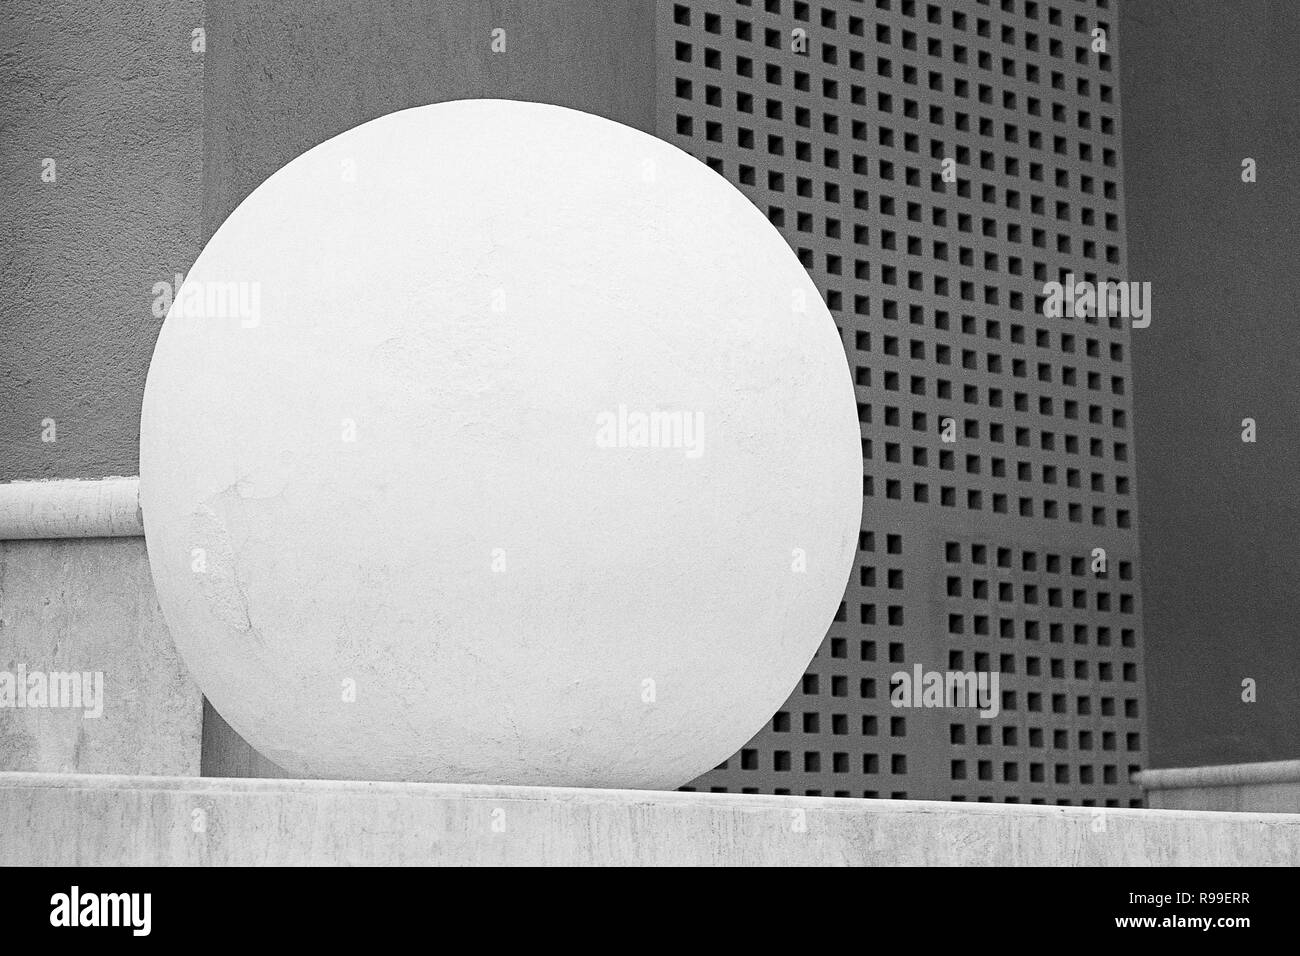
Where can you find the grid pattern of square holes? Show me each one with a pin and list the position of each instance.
(835, 118)
(1061, 635)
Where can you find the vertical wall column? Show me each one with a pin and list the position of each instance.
(1206, 88)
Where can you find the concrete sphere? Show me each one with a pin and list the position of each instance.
(494, 442)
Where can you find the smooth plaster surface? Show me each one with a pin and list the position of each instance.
(87, 606)
(428, 548)
(292, 822)
(1207, 84)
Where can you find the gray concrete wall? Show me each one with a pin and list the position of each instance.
(271, 822)
(1207, 84)
(87, 606)
(1013, 485)
(113, 93)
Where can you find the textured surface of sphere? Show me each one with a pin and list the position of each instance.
(494, 442)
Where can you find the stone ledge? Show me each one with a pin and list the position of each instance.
(1265, 787)
(1220, 775)
(71, 508)
(78, 819)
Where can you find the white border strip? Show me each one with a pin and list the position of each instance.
(103, 508)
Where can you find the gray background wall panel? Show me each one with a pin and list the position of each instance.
(1205, 85)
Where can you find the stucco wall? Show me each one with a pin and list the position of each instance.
(112, 92)
(284, 76)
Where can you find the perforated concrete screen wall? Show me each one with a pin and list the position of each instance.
(977, 554)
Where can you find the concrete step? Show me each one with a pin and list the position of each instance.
(84, 819)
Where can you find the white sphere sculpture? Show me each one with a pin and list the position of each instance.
(494, 442)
